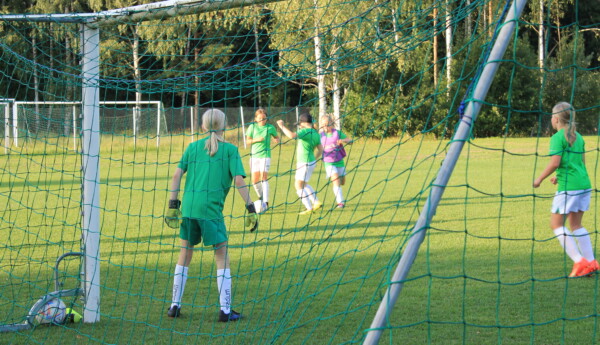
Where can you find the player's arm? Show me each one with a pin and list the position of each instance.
(173, 214)
(345, 140)
(318, 151)
(549, 170)
(250, 141)
(240, 185)
(251, 219)
(285, 130)
(275, 138)
(176, 184)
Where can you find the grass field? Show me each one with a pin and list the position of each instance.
(488, 272)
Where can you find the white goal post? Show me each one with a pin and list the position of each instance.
(5, 104)
(76, 111)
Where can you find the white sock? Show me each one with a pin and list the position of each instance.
(302, 194)
(585, 243)
(564, 236)
(258, 189)
(312, 195)
(265, 191)
(337, 191)
(179, 280)
(224, 285)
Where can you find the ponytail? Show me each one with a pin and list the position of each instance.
(566, 116)
(213, 120)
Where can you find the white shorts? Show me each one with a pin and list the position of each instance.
(305, 170)
(260, 165)
(571, 201)
(330, 170)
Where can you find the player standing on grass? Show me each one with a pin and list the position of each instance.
(309, 150)
(212, 164)
(259, 136)
(567, 158)
(333, 142)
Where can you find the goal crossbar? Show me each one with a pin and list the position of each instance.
(138, 13)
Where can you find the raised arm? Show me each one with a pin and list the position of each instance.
(285, 130)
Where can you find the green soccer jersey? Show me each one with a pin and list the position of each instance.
(261, 149)
(308, 139)
(208, 179)
(571, 173)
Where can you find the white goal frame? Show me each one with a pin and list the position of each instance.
(15, 117)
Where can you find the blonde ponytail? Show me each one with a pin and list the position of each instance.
(213, 121)
(566, 116)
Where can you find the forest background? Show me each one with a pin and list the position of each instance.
(415, 88)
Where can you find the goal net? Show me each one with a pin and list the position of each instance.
(399, 78)
(60, 119)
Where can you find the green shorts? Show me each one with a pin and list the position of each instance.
(210, 232)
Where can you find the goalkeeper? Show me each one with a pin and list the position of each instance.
(212, 164)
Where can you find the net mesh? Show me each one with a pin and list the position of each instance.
(393, 74)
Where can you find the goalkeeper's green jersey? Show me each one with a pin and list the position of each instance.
(208, 179)
(261, 149)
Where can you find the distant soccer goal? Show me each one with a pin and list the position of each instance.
(47, 120)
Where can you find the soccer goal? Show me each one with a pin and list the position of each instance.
(429, 230)
(61, 119)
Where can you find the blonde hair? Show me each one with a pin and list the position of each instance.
(213, 120)
(260, 111)
(329, 119)
(565, 114)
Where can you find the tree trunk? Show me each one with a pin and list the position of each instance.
(395, 26)
(448, 44)
(319, 66)
(541, 37)
(469, 29)
(337, 99)
(435, 48)
(490, 20)
(257, 51)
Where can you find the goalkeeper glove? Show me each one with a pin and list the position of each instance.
(173, 216)
(251, 220)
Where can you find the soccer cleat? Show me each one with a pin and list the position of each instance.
(581, 269)
(341, 205)
(595, 265)
(174, 311)
(317, 205)
(306, 212)
(232, 316)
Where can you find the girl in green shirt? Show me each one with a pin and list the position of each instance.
(308, 151)
(211, 165)
(567, 158)
(258, 136)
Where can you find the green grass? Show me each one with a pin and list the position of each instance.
(489, 270)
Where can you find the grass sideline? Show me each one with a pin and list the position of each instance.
(489, 270)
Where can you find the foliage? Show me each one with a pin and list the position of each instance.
(379, 55)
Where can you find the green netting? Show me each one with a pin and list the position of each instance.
(394, 75)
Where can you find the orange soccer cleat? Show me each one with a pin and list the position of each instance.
(581, 269)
